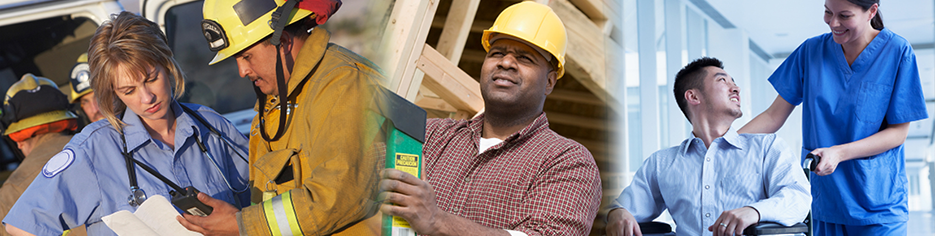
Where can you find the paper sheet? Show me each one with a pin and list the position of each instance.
(156, 214)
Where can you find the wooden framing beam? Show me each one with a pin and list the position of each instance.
(403, 39)
(435, 104)
(457, 27)
(474, 55)
(597, 148)
(580, 121)
(585, 57)
(591, 8)
(615, 76)
(449, 82)
(612, 9)
(477, 27)
(575, 96)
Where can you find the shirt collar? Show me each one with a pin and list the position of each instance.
(734, 139)
(541, 122)
(731, 137)
(311, 53)
(136, 134)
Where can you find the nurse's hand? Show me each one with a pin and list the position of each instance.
(221, 221)
(830, 157)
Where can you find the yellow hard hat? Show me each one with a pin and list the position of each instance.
(80, 78)
(232, 26)
(535, 23)
(33, 101)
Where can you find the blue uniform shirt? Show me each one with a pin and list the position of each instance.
(696, 184)
(842, 104)
(88, 179)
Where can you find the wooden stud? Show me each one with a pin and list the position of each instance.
(404, 38)
(462, 115)
(477, 27)
(595, 147)
(580, 121)
(593, 9)
(435, 104)
(449, 82)
(584, 55)
(474, 56)
(457, 26)
(575, 96)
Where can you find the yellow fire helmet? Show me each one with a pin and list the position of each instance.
(80, 78)
(535, 23)
(232, 26)
(33, 101)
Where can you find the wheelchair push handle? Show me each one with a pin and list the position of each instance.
(811, 161)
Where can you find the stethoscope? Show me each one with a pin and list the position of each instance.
(138, 196)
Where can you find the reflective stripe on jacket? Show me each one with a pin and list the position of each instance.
(326, 144)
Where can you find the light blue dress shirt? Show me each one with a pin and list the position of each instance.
(93, 182)
(696, 183)
(843, 103)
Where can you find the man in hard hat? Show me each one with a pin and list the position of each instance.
(39, 122)
(504, 172)
(312, 170)
(717, 182)
(81, 92)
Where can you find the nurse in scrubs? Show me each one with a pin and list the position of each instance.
(859, 89)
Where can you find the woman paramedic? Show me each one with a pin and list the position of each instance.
(103, 169)
(860, 88)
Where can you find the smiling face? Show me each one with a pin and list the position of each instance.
(514, 75)
(849, 22)
(720, 93)
(147, 93)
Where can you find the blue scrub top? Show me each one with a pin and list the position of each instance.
(843, 103)
(88, 179)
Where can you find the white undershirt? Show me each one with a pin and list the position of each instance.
(486, 143)
(516, 233)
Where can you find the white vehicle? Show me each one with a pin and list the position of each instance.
(218, 86)
(45, 37)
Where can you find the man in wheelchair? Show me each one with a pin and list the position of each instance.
(717, 182)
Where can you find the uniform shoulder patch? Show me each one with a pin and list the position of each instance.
(58, 163)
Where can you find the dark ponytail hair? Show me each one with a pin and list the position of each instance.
(877, 21)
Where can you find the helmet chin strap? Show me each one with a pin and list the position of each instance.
(280, 24)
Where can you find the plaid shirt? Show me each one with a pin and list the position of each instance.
(535, 181)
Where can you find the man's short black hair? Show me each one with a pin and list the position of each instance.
(692, 77)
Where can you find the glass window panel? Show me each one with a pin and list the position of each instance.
(632, 80)
(218, 86)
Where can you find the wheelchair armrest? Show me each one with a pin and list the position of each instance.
(767, 228)
(655, 228)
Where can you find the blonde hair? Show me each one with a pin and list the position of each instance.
(135, 43)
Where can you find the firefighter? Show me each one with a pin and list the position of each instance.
(39, 117)
(81, 92)
(313, 171)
